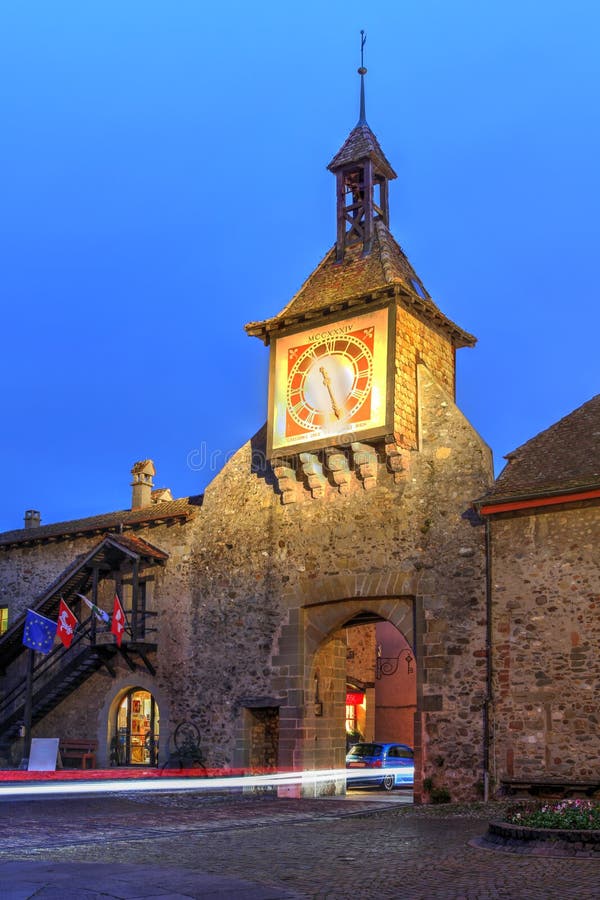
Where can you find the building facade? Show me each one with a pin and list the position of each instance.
(543, 521)
(336, 551)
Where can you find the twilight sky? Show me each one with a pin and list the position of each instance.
(163, 182)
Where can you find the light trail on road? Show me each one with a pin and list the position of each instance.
(167, 783)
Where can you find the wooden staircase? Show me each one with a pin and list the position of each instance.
(26, 694)
(55, 676)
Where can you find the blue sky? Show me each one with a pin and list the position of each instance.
(164, 182)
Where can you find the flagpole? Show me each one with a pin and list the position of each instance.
(27, 716)
(95, 602)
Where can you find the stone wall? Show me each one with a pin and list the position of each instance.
(274, 582)
(546, 633)
(26, 572)
(255, 595)
(415, 343)
(362, 647)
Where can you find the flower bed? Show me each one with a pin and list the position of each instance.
(560, 828)
(579, 815)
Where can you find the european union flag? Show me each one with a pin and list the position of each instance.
(39, 632)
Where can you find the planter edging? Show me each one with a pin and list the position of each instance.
(523, 839)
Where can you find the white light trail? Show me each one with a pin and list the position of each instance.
(168, 783)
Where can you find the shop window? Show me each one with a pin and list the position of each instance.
(137, 730)
(350, 718)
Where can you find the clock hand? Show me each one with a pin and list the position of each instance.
(327, 383)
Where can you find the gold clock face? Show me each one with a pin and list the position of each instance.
(330, 381)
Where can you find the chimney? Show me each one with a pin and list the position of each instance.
(33, 518)
(141, 495)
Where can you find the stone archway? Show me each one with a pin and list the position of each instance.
(312, 667)
(320, 620)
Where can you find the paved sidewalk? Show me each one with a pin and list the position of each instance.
(190, 846)
(23, 880)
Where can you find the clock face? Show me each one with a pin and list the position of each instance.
(329, 382)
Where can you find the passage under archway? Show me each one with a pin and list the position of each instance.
(381, 682)
(365, 656)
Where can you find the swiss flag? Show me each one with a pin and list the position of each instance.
(67, 622)
(117, 625)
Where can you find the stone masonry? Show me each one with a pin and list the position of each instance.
(292, 575)
(255, 594)
(546, 633)
(417, 342)
(267, 573)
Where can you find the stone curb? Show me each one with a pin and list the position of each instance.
(508, 838)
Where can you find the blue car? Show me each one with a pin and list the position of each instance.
(380, 765)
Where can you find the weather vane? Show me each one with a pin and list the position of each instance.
(362, 72)
(363, 41)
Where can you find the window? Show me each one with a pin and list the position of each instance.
(3, 619)
(400, 753)
(351, 718)
(369, 750)
(418, 288)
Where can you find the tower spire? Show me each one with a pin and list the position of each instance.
(362, 120)
(362, 174)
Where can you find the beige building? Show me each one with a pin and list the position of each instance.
(333, 577)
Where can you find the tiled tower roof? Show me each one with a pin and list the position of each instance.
(361, 143)
(384, 272)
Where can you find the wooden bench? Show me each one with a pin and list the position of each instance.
(550, 787)
(79, 752)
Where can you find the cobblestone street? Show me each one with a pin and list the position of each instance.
(167, 846)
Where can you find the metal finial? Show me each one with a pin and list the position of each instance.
(362, 72)
(363, 41)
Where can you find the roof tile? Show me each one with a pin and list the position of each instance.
(128, 518)
(333, 285)
(361, 143)
(561, 459)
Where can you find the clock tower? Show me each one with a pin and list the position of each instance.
(346, 351)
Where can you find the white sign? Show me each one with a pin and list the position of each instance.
(43, 754)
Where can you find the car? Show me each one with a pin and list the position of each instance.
(380, 764)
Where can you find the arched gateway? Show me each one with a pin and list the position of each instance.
(312, 733)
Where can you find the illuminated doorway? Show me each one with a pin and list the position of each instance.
(356, 713)
(137, 729)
